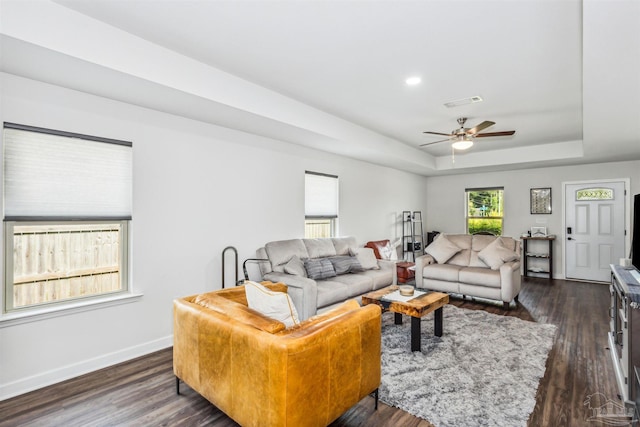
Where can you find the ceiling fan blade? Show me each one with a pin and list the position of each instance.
(439, 133)
(435, 142)
(504, 133)
(480, 127)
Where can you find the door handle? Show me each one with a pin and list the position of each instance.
(570, 238)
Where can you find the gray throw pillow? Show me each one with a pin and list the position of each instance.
(343, 264)
(320, 268)
(295, 266)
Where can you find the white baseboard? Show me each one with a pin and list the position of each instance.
(54, 376)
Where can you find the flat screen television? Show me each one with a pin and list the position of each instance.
(635, 240)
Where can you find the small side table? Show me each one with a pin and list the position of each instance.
(406, 271)
(546, 256)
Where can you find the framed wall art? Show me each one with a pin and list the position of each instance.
(540, 200)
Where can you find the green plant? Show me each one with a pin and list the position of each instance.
(492, 225)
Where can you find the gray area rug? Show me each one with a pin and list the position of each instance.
(483, 371)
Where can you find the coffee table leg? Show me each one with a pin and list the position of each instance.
(415, 333)
(397, 318)
(438, 322)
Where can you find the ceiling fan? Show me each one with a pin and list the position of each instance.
(463, 137)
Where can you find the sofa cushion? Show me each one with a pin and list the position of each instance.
(463, 241)
(478, 243)
(358, 283)
(295, 266)
(496, 254)
(480, 276)
(281, 251)
(319, 248)
(343, 244)
(343, 264)
(446, 272)
(441, 249)
(381, 278)
(345, 307)
(320, 268)
(366, 258)
(276, 305)
(331, 292)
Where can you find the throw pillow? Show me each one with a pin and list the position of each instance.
(366, 257)
(295, 266)
(442, 249)
(320, 268)
(496, 254)
(276, 305)
(343, 264)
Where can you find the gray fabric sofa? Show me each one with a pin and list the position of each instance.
(286, 259)
(474, 265)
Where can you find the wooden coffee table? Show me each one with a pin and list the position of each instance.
(416, 308)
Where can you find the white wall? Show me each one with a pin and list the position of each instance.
(446, 208)
(197, 189)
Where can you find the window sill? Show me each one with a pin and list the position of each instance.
(34, 315)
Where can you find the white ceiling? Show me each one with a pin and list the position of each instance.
(330, 74)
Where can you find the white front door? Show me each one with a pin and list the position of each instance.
(595, 229)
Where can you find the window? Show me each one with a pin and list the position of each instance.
(67, 208)
(485, 209)
(321, 205)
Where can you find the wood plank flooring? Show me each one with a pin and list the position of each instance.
(141, 392)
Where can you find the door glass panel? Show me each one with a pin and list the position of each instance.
(595, 194)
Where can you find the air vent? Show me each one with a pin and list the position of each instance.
(463, 101)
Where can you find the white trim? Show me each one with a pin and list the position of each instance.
(51, 311)
(627, 215)
(54, 376)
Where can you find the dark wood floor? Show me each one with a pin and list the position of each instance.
(141, 392)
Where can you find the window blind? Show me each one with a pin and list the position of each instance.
(321, 195)
(58, 175)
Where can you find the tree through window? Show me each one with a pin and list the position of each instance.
(485, 210)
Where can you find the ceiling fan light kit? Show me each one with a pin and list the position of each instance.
(462, 138)
(462, 143)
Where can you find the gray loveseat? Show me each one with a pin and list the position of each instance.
(474, 265)
(286, 264)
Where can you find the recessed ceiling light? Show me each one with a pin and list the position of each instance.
(412, 81)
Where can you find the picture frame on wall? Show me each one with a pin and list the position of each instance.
(540, 200)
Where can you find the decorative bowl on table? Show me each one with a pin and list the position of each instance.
(406, 290)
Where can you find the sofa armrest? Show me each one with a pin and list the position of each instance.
(421, 261)
(510, 280)
(302, 290)
(385, 264)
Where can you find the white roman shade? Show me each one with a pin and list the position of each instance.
(321, 195)
(58, 175)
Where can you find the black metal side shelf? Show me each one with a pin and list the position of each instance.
(541, 267)
(412, 235)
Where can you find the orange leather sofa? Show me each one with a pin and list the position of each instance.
(261, 374)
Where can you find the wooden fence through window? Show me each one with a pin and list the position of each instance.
(60, 262)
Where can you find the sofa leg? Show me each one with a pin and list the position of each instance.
(505, 304)
(376, 399)
(177, 385)
(517, 298)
